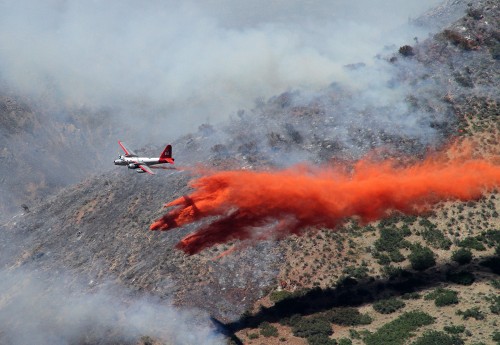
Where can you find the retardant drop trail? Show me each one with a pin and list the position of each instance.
(259, 205)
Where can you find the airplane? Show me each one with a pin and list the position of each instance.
(141, 164)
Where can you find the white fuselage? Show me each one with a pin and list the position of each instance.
(124, 160)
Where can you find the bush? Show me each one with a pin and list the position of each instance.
(354, 334)
(494, 304)
(472, 312)
(253, 335)
(438, 338)
(347, 317)
(396, 256)
(308, 327)
(454, 329)
(268, 330)
(462, 256)
(320, 339)
(436, 238)
(421, 258)
(496, 336)
(392, 272)
(345, 341)
(411, 295)
(382, 259)
(406, 50)
(389, 240)
(405, 231)
(358, 272)
(446, 299)
(397, 331)
(462, 277)
(472, 243)
(495, 283)
(492, 236)
(388, 306)
(443, 297)
(292, 320)
(277, 296)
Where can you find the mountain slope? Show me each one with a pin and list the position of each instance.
(98, 229)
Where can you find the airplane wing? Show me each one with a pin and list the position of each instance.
(128, 152)
(147, 169)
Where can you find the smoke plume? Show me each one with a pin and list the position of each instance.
(36, 308)
(186, 63)
(260, 205)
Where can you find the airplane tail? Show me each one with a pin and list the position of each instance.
(166, 155)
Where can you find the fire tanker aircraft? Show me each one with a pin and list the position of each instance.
(141, 164)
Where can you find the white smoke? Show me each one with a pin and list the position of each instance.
(192, 61)
(36, 308)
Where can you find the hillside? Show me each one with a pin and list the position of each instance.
(94, 235)
(45, 147)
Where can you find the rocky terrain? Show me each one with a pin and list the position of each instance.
(303, 289)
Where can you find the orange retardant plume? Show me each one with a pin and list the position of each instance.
(260, 205)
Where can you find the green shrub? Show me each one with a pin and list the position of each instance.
(436, 238)
(438, 338)
(253, 335)
(392, 272)
(443, 297)
(382, 259)
(496, 336)
(446, 299)
(411, 295)
(472, 243)
(397, 331)
(388, 306)
(347, 317)
(462, 277)
(354, 334)
(320, 339)
(493, 236)
(308, 327)
(268, 330)
(396, 256)
(421, 258)
(494, 303)
(277, 296)
(358, 272)
(390, 238)
(292, 320)
(345, 341)
(462, 256)
(454, 329)
(405, 230)
(495, 283)
(472, 312)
